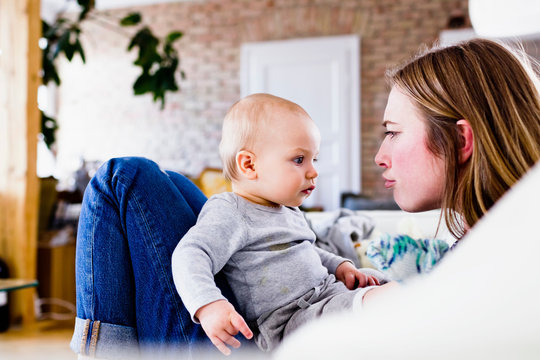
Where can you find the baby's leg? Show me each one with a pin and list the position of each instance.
(333, 297)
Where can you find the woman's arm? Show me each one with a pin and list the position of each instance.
(373, 294)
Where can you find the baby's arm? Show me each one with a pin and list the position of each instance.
(353, 278)
(221, 323)
(347, 273)
(200, 254)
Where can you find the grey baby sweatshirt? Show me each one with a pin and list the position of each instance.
(267, 254)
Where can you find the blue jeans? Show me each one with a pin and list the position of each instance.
(133, 215)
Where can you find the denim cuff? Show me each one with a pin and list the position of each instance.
(103, 340)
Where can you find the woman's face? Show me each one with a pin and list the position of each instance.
(415, 174)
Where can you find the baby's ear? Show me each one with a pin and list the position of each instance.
(245, 163)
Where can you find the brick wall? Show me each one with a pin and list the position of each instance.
(100, 117)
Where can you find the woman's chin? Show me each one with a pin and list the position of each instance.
(415, 207)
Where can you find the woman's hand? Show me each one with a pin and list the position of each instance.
(353, 278)
(221, 323)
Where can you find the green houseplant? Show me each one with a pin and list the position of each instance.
(157, 58)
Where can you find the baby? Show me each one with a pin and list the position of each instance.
(259, 237)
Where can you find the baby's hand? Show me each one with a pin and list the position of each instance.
(354, 278)
(221, 323)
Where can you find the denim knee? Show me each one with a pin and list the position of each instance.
(132, 217)
(127, 167)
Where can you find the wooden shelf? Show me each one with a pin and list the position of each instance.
(16, 284)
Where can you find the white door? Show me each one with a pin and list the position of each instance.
(322, 76)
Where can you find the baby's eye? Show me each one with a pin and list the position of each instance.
(299, 160)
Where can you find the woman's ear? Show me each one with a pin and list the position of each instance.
(467, 140)
(245, 162)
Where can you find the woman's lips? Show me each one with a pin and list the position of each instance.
(389, 183)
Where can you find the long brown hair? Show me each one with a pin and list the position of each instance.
(497, 90)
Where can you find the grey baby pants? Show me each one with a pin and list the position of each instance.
(330, 297)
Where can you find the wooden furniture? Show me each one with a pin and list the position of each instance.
(16, 284)
(211, 181)
(20, 63)
(56, 269)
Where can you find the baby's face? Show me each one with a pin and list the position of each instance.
(285, 154)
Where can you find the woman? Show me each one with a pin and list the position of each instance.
(463, 125)
(480, 124)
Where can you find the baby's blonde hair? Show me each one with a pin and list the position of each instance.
(244, 122)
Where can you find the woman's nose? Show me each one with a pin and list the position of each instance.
(381, 158)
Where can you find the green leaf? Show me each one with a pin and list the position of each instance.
(49, 32)
(49, 126)
(63, 41)
(165, 79)
(49, 71)
(143, 84)
(80, 50)
(173, 36)
(69, 51)
(147, 57)
(131, 19)
(147, 44)
(143, 38)
(87, 6)
(45, 28)
(168, 50)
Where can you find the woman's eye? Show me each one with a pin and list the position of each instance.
(390, 133)
(299, 160)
